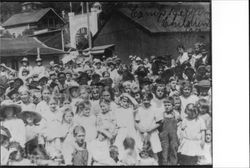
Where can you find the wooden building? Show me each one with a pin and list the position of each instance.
(155, 28)
(34, 18)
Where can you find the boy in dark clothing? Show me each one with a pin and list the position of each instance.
(168, 133)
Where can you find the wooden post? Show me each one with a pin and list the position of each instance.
(38, 53)
(89, 37)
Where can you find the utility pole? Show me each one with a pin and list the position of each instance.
(70, 6)
(89, 36)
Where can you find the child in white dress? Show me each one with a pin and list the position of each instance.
(192, 137)
(146, 124)
(106, 119)
(85, 118)
(99, 149)
(125, 121)
(186, 97)
(16, 127)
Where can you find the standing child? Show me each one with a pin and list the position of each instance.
(84, 118)
(206, 158)
(106, 119)
(186, 97)
(31, 120)
(75, 149)
(203, 109)
(125, 120)
(9, 112)
(192, 137)
(146, 124)
(168, 133)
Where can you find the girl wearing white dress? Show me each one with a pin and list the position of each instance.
(51, 131)
(99, 149)
(44, 104)
(26, 103)
(16, 127)
(106, 119)
(192, 137)
(125, 121)
(85, 118)
(32, 128)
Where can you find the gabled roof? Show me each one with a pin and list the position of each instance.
(28, 17)
(25, 46)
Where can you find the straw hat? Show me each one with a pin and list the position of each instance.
(25, 59)
(38, 60)
(105, 132)
(5, 132)
(37, 117)
(9, 104)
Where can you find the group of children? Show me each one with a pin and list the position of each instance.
(148, 113)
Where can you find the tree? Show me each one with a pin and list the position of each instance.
(28, 32)
(6, 34)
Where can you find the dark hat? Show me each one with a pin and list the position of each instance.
(37, 116)
(57, 65)
(25, 70)
(75, 85)
(52, 73)
(60, 72)
(9, 104)
(43, 78)
(19, 80)
(146, 81)
(13, 91)
(34, 85)
(107, 82)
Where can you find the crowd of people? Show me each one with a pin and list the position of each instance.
(153, 111)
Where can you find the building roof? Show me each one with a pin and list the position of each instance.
(28, 17)
(99, 49)
(26, 46)
(169, 17)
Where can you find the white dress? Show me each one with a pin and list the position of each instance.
(100, 153)
(89, 123)
(126, 127)
(190, 137)
(147, 120)
(17, 130)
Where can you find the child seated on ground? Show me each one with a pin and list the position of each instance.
(146, 156)
(99, 149)
(130, 156)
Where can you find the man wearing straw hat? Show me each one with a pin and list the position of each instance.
(39, 69)
(25, 65)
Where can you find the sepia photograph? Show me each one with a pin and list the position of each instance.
(106, 83)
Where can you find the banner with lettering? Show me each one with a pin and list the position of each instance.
(184, 17)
